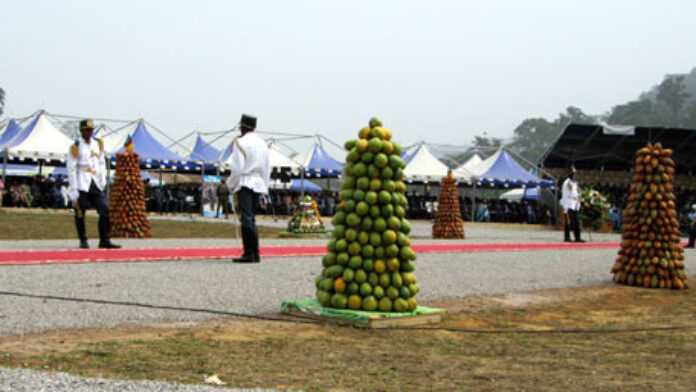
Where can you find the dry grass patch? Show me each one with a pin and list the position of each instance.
(321, 357)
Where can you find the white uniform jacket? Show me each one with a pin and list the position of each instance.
(570, 196)
(249, 164)
(86, 163)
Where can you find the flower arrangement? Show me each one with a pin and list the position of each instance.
(594, 208)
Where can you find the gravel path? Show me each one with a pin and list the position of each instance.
(37, 298)
(475, 233)
(20, 380)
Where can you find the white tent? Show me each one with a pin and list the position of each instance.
(469, 164)
(40, 139)
(424, 166)
(279, 160)
(114, 140)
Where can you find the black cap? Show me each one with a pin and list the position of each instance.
(87, 123)
(247, 123)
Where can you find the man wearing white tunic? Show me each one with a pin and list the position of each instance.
(87, 178)
(570, 202)
(250, 173)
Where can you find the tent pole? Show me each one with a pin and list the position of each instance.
(4, 166)
(302, 175)
(555, 203)
(40, 167)
(473, 202)
(202, 182)
(108, 176)
(161, 188)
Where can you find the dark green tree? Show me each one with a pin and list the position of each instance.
(534, 136)
(640, 112)
(690, 116)
(672, 92)
(483, 141)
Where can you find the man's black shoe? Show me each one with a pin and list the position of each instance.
(580, 241)
(84, 245)
(247, 259)
(567, 240)
(109, 245)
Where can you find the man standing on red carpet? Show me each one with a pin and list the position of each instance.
(570, 201)
(87, 178)
(250, 173)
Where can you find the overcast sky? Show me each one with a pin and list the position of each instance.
(442, 71)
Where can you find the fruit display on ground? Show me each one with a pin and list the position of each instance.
(651, 255)
(127, 198)
(370, 264)
(448, 219)
(307, 219)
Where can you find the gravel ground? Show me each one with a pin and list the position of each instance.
(20, 380)
(41, 298)
(475, 233)
(37, 298)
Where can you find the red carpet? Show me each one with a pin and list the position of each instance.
(76, 256)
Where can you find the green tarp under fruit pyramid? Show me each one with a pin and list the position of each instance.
(651, 255)
(370, 264)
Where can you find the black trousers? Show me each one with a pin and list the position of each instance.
(692, 235)
(222, 204)
(92, 199)
(572, 223)
(247, 200)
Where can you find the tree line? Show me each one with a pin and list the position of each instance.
(672, 103)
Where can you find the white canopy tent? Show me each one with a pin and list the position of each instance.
(467, 167)
(40, 139)
(280, 160)
(115, 139)
(277, 159)
(424, 166)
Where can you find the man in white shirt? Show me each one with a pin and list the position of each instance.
(570, 202)
(250, 173)
(87, 178)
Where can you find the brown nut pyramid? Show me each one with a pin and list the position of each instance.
(127, 213)
(651, 255)
(448, 219)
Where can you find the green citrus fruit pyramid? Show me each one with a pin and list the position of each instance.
(369, 264)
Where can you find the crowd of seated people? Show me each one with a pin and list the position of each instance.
(50, 192)
(35, 192)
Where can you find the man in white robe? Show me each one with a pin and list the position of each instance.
(250, 173)
(570, 202)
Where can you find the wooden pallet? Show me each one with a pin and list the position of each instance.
(374, 320)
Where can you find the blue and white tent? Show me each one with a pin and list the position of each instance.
(11, 130)
(40, 139)
(408, 153)
(424, 166)
(320, 163)
(152, 152)
(309, 187)
(519, 194)
(501, 169)
(204, 152)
